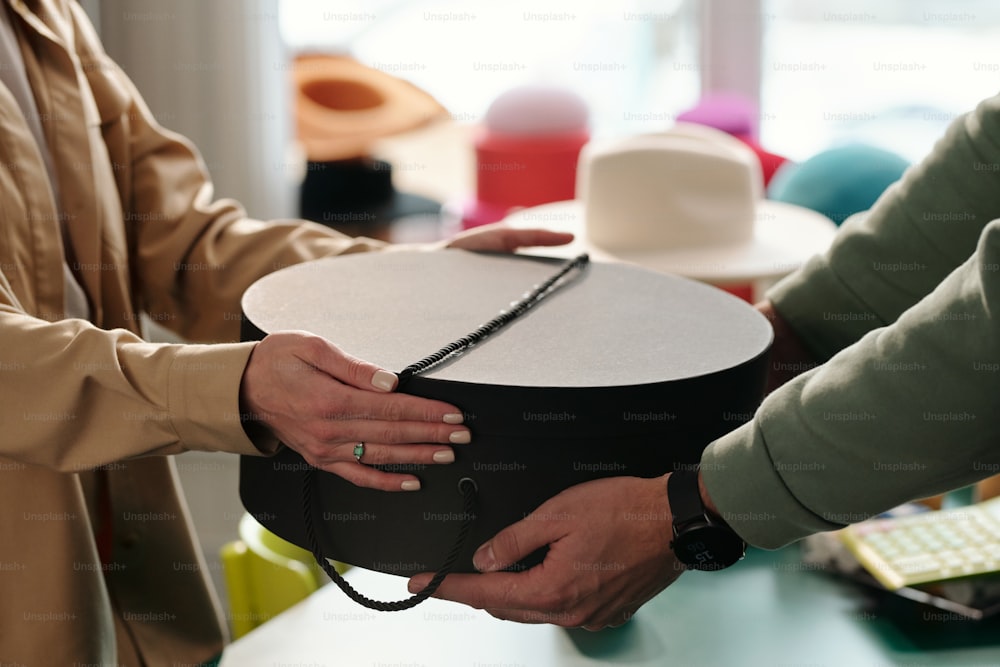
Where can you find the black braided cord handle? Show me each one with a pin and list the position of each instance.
(468, 489)
(505, 317)
(465, 485)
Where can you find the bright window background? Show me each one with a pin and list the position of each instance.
(892, 73)
(634, 62)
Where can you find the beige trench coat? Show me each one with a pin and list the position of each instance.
(86, 404)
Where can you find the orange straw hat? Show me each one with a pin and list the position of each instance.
(342, 106)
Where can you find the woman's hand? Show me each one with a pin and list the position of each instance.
(322, 402)
(500, 238)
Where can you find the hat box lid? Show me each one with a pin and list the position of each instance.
(618, 371)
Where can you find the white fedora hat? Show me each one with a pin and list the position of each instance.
(688, 201)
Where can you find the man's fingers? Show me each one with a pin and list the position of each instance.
(517, 541)
(498, 590)
(560, 618)
(509, 596)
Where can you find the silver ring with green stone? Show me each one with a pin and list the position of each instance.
(359, 451)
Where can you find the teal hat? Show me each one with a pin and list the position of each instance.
(838, 182)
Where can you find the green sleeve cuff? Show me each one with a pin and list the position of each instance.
(747, 489)
(825, 314)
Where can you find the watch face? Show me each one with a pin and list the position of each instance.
(708, 547)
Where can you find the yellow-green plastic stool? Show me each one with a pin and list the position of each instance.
(266, 575)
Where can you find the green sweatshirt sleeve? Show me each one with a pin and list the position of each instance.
(887, 259)
(906, 406)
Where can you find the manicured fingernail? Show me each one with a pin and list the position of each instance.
(444, 456)
(384, 380)
(410, 485)
(484, 559)
(453, 418)
(460, 437)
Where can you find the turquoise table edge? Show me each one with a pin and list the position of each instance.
(771, 609)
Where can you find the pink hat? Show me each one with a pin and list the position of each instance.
(527, 151)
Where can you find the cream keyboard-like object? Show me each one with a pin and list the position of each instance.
(930, 546)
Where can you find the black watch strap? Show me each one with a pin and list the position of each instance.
(684, 497)
(699, 541)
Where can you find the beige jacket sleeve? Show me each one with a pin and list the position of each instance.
(75, 395)
(194, 255)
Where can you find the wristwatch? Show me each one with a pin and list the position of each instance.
(699, 541)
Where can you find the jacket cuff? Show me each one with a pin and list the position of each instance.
(203, 394)
(822, 310)
(747, 489)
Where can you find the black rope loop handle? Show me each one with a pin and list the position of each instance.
(468, 489)
(466, 485)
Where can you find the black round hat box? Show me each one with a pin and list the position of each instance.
(619, 371)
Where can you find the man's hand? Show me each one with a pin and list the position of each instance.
(500, 238)
(322, 402)
(608, 555)
(789, 357)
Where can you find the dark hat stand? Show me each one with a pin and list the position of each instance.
(357, 197)
(620, 371)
